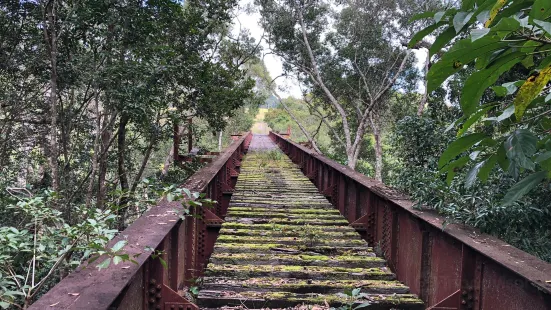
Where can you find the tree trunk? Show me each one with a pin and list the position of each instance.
(51, 41)
(304, 131)
(220, 141)
(90, 190)
(145, 160)
(123, 177)
(378, 151)
(352, 160)
(423, 101)
(107, 132)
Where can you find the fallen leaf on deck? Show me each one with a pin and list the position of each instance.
(74, 294)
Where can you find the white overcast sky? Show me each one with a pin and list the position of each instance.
(288, 86)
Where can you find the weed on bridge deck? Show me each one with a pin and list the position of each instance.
(284, 246)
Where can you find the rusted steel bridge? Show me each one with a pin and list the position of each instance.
(293, 229)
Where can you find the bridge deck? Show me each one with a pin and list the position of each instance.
(284, 246)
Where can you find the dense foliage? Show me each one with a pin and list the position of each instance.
(511, 132)
(480, 143)
(90, 92)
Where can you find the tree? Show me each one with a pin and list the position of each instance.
(349, 66)
(89, 91)
(490, 39)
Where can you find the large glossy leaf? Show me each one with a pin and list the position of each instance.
(523, 187)
(485, 170)
(462, 53)
(472, 119)
(530, 90)
(421, 16)
(541, 9)
(461, 19)
(459, 146)
(520, 147)
(471, 175)
(493, 12)
(467, 4)
(479, 33)
(453, 167)
(479, 81)
(423, 33)
(546, 26)
(441, 40)
(513, 9)
(502, 159)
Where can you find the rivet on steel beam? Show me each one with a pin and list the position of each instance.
(172, 307)
(464, 293)
(151, 300)
(153, 281)
(463, 302)
(180, 307)
(158, 296)
(158, 307)
(152, 291)
(159, 287)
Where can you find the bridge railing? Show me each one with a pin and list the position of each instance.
(455, 267)
(183, 246)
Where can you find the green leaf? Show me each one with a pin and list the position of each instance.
(438, 16)
(421, 16)
(479, 81)
(459, 146)
(467, 4)
(479, 33)
(546, 26)
(163, 262)
(117, 259)
(485, 170)
(541, 10)
(423, 33)
(507, 88)
(4, 305)
(462, 53)
(499, 90)
(461, 19)
(523, 187)
(187, 191)
(502, 159)
(442, 40)
(506, 113)
(543, 157)
(472, 119)
(493, 12)
(104, 264)
(194, 290)
(471, 175)
(520, 147)
(118, 246)
(530, 90)
(453, 167)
